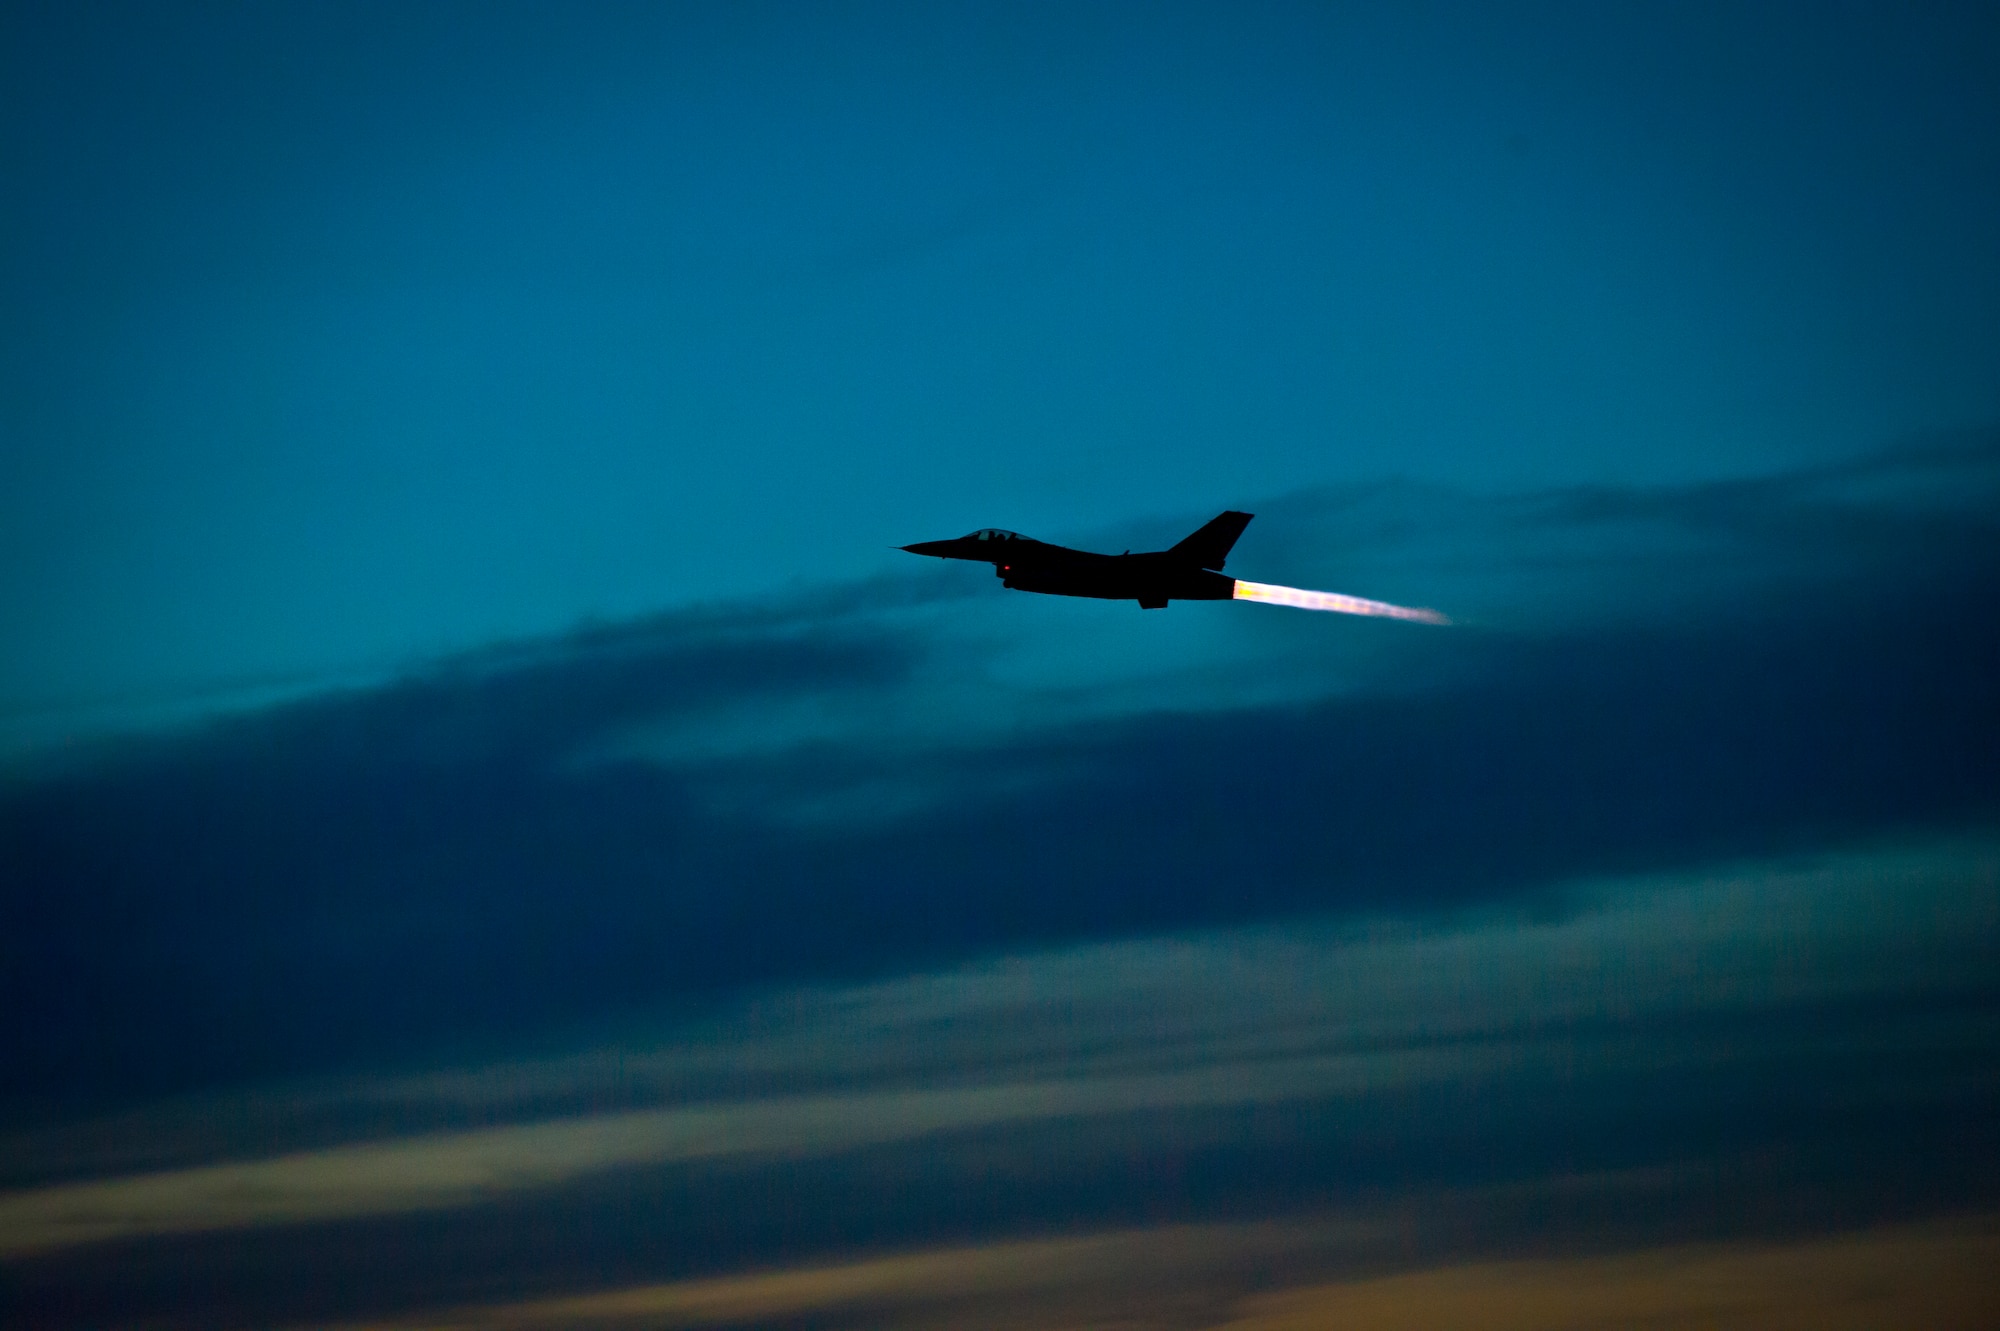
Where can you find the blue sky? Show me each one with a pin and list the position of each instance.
(488, 822)
(349, 335)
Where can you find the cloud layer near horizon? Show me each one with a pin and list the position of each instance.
(1631, 974)
(1221, 1277)
(1676, 875)
(1838, 1012)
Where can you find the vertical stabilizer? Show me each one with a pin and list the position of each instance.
(1209, 547)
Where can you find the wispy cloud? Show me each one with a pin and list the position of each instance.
(1932, 1277)
(461, 1169)
(1625, 973)
(1083, 1275)
(1219, 1277)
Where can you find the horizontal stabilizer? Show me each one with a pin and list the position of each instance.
(1209, 547)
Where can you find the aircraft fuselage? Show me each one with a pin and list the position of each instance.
(1152, 578)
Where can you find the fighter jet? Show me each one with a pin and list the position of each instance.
(1188, 571)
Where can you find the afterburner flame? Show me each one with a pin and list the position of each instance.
(1301, 599)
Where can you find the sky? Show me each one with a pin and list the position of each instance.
(492, 832)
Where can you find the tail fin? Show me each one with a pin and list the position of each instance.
(1209, 547)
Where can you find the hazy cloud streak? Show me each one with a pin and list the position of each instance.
(1232, 1018)
(1933, 1276)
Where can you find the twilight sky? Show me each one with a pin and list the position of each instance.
(341, 335)
(492, 834)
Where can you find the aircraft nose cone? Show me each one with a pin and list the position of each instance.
(927, 547)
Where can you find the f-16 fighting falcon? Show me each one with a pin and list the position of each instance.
(1188, 571)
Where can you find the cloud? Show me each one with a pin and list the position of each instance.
(1933, 1277)
(1218, 1277)
(467, 1168)
(887, 778)
(1122, 1269)
(1631, 975)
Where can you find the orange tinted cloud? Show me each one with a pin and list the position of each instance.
(446, 1170)
(1937, 1277)
(1234, 1018)
(1125, 1275)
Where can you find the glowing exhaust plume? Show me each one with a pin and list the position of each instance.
(1346, 605)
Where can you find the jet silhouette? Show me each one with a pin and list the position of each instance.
(1190, 571)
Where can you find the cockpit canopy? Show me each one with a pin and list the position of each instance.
(991, 534)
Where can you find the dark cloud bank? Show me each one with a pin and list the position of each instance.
(476, 862)
(384, 871)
